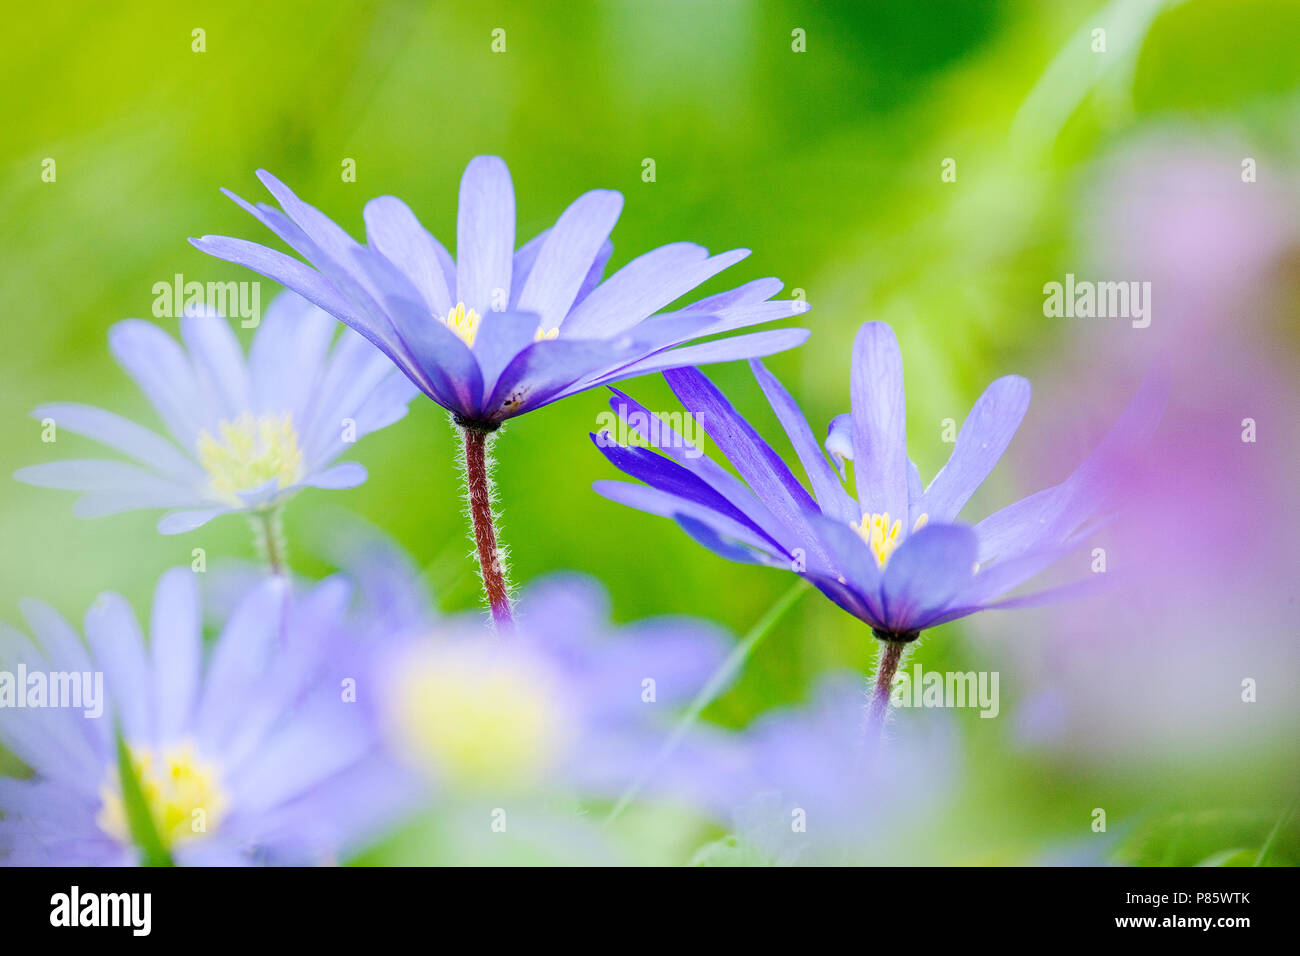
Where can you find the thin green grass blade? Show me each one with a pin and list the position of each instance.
(710, 691)
(139, 820)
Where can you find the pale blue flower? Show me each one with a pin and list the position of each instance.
(247, 751)
(247, 432)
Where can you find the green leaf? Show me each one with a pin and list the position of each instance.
(138, 818)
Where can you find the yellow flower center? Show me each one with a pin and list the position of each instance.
(464, 322)
(542, 333)
(883, 536)
(181, 792)
(250, 452)
(478, 717)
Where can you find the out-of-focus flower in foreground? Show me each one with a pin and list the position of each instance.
(250, 752)
(569, 704)
(821, 791)
(248, 433)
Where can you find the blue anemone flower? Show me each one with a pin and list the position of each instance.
(251, 432)
(500, 331)
(245, 752)
(895, 556)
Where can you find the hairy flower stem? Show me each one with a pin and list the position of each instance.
(478, 488)
(269, 539)
(891, 655)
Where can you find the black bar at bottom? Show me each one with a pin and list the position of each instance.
(334, 904)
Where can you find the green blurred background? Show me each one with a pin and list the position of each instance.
(826, 163)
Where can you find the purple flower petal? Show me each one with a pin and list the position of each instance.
(839, 441)
(879, 422)
(239, 663)
(501, 336)
(107, 428)
(159, 366)
(393, 229)
(597, 271)
(219, 362)
(747, 293)
(356, 368)
(567, 255)
(928, 571)
(670, 477)
(849, 563)
(658, 502)
(660, 434)
(323, 233)
(363, 277)
(645, 285)
(101, 504)
(983, 438)
(176, 643)
(387, 403)
(753, 458)
(289, 761)
(738, 347)
(1050, 516)
(287, 354)
(676, 328)
(117, 644)
(58, 638)
(705, 535)
(105, 475)
(347, 474)
(178, 522)
(292, 274)
(485, 233)
(544, 370)
(522, 265)
(49, 740)
(830, 494)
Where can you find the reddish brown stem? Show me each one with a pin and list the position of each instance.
(891, 653)
(479, 489)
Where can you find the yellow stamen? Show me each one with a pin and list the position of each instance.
(921, 522)
(478, 717)
(249, 453)
(464, 322)
(881, 536)
(181, 793)
(542, 333)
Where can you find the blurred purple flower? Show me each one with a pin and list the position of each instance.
(1173, 209)
(567, 704)
(1203, 604)
(248, 753)
(251, 433)
(894, 557)
(822, 792)
(499, 331)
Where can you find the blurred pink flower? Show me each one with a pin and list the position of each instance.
(1206, 562)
